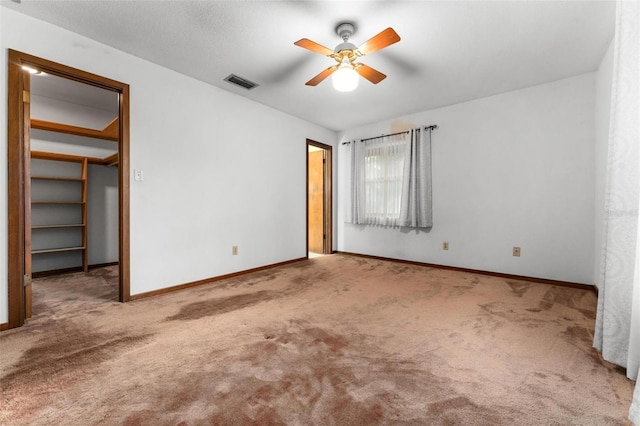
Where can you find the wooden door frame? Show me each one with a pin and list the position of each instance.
(18, 87)
(328, 195)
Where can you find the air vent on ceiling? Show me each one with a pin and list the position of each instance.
(239, 81)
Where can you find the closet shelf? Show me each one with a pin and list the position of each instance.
(111, 160)
(68, 206)
(55, 178)
(57, 250)
(78, 225)
(110, 132)
(58, 202)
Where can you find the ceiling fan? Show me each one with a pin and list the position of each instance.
(345, 73)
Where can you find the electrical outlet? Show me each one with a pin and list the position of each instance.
(516, 251)
(445, 246)
(234, 250)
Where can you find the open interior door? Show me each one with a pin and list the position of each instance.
(319, 198)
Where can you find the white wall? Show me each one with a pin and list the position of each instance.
(48, 109)
(44, 140)
(220, 170)
(603, 104)
(516, 169)
(102, 214)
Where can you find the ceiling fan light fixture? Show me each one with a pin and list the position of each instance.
(347, 73)
(345, 79)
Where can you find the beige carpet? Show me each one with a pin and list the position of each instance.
(335, 340)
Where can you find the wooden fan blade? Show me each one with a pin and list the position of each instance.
(314, 47)
(379, 41)
(324, 74)
(369, 73)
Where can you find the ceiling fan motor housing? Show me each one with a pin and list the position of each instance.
(345, 30)
(345, 46)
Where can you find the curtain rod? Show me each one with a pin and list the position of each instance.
(432, 127)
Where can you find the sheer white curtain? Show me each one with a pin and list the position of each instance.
(383, 173)
(358, 214)
(617, 332)
(391, 180)
(634, 341)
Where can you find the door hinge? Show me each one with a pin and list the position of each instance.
(27, 280)
(26, 97)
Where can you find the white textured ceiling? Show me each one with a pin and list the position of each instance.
(450, 51)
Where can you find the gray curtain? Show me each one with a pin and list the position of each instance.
(416, 208)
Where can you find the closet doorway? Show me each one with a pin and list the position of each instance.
(319, 199)
(68, 158)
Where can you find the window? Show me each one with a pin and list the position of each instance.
(391, 180)
(383, 170)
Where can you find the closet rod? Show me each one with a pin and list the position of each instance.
(432, 127)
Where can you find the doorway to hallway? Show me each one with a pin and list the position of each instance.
(319, 197)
